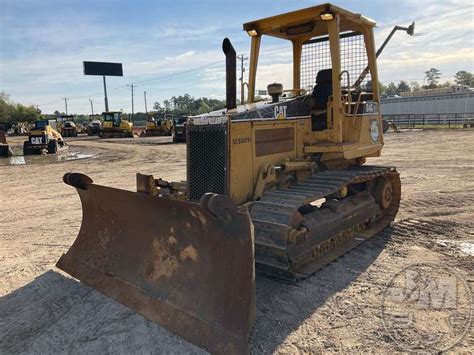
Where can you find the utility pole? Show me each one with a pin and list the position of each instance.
(242, 71)
(65, 103)
(132, 86)
(106, 100)
(146, 110)
(92, 107)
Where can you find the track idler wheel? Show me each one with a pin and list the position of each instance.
(383, 192)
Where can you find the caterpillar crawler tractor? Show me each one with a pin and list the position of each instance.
(280, 187)
(115, 125)
(161, 126)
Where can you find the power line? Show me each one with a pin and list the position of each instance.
(117, 88)
(445, 15)
(180, 73)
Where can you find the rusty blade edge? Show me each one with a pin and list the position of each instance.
(158, 311)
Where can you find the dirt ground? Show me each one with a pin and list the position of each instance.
(43, 310)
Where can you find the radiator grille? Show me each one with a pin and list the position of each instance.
(207, 160)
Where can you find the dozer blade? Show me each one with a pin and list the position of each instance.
(5, 149)
(187, 266)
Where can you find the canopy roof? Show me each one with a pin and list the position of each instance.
(306, 23)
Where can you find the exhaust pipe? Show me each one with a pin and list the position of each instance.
(230, 74)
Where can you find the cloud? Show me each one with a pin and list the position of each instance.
(42, 50)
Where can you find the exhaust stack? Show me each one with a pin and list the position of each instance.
(231, 74)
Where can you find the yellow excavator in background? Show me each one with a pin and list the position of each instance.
(115, 125)
(278, 186)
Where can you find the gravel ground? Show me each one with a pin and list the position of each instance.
(43, 310)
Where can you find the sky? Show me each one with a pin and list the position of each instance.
(174, 47)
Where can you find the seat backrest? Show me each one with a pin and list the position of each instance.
(323, 89)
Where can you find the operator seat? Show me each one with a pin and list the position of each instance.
(319, 99)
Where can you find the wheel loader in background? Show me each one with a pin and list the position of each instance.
(115, 125)
(43, 137)
(280, 187)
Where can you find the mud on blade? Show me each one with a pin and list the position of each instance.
(187, 266)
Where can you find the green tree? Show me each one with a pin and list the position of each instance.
(415, 86)
(382, 88)
(391, 89)
(167, 105)
(432, 77)
(12, 112)
(203, 107)
(403, 87)
(446, 84)
(157, 106)
(463, 77)
(6, 109)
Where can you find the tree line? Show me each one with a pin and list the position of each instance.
(14, 112)
(431, 81)
(188, 105)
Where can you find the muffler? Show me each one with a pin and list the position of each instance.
(230, 74)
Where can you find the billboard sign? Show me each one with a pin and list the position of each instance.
(103, 68)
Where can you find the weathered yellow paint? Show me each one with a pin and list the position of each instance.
(241, 178)
(347, 139)
(333, 30)
(244, 164)
(297, 48)
(254, 51)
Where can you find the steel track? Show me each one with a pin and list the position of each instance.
(324, 233)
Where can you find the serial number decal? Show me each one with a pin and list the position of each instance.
(36, 140)
(241, 140)
(209, 120)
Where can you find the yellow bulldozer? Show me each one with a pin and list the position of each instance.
(115, 125)
(280, 187)
(160, 126)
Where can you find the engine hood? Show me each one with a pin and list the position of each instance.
(295, 107)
